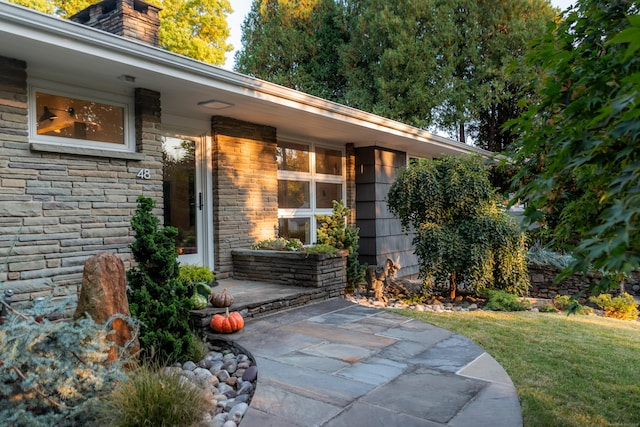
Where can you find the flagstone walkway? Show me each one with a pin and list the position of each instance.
(337, 363)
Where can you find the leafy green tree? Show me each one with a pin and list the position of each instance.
(441, 64)
(295, 44)
(579, 150)
(157, 298)
(462, 235)
(194, 28)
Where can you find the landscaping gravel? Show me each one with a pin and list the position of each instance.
(228, 376)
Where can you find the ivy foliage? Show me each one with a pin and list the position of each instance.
(52, 372)
(462, 235)
(334, 231)
(157, 297)
(579, 151)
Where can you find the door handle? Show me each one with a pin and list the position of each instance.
(200, 204)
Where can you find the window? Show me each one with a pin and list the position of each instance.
(62, 116)
(310, 178)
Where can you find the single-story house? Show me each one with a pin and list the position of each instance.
(94, 114)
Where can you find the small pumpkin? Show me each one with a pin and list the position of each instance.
(227, 323)
(221, 299)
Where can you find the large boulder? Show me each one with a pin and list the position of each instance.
(104, 294)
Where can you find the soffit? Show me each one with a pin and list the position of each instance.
(71, 53)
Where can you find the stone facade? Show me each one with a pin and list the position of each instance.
(245, 187)
(57, 208)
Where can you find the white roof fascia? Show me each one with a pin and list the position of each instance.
(38, 26)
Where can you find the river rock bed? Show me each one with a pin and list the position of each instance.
(228, 375)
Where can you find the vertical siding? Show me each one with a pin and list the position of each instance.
(381, 236)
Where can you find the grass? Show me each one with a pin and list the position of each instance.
(568, 371)
(152, 397)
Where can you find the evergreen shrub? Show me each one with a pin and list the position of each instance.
(53, 372)
(499, 300)
(157, 297)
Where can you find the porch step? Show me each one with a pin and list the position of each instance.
(258, 299)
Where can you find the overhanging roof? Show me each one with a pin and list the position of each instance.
(84, 56)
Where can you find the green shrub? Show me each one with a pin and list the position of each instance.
(571, 305)
(499, 300)
(320, 249)
(334, 231)
(153, 397)
(192, 274)
(547, 308)
(157, 298)
(279, 244)
(462, 235)
(622, 307)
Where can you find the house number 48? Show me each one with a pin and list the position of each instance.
(144, 174)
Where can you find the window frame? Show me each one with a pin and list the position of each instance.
(312, 177)
(82, 94)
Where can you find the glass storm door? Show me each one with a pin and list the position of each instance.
(184, 204)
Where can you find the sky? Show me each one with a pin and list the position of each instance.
(242, 7)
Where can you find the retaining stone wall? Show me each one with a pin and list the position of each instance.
(543, 286)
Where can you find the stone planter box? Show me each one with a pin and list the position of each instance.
(302, 269)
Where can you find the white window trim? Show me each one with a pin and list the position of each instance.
(59, 89)
(312, 177)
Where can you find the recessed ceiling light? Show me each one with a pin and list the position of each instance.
(127, 78)
(215, 104)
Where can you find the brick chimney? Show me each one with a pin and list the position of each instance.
(134, 19)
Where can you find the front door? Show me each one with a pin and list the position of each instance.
(185, 196)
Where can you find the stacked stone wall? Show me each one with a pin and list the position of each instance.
(57, 209)
(302, 269)
(543, 283)
(245, 187)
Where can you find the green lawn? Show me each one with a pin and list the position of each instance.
(569, 371)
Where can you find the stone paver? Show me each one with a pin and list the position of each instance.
(336, 364)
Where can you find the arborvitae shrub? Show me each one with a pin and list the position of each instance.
(157, 297)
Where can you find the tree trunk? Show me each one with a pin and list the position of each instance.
(452, 286)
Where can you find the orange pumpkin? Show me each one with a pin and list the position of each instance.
(228, 323)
